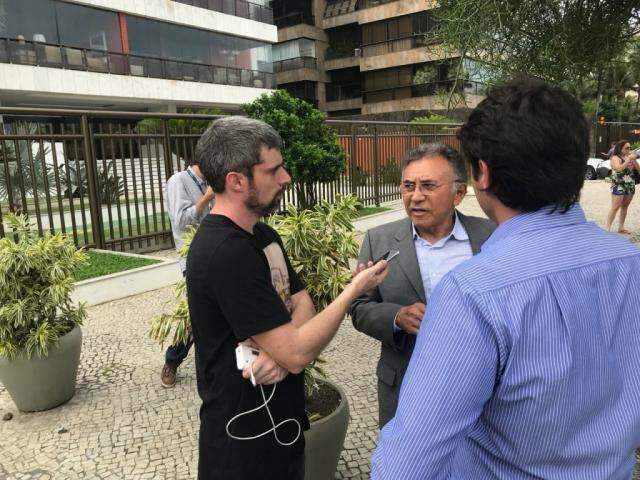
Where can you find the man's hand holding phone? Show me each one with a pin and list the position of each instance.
(409, 318)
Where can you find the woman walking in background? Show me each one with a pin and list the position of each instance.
(623, 163)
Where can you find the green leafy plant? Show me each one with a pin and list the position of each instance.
(426, 74)
(36, 279)
(110, 184)
(441, 122)
(311, 151)
(176, 324)
(17, 157)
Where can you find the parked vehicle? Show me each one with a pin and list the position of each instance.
(597, 168)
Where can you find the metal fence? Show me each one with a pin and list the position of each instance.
(604, 134)
(99, 176)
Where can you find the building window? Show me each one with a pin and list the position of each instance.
(152, 38)
(396, 34)
(302, 47)
(287, 13)
(85, 27)
(33, 20)
(339, 7)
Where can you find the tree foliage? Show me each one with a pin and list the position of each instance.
(565, 42)
(36, 279)
(311, 151)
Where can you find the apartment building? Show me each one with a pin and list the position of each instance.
(364, 58)
(146, 55)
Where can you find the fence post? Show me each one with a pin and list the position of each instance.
(166, 146)
(376, 166)
(353, 165)
(95, 208)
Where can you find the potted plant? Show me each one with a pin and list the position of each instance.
(319, 243)
(40, 336)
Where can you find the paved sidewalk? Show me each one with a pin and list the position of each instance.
(122, 425)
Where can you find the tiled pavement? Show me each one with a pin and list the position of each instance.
(122, 425)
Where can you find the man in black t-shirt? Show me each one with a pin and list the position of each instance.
(241, 288)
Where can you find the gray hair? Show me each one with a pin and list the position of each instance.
(233, 144)
(425, 150)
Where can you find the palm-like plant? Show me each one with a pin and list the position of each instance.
(36, 279)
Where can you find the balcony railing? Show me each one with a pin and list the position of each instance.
(397, 45)
(343, 50)
(372, 3)
(59, 56)
(238, 8)
(295, 18)
(336, 93)
(295, 64)
(400, 92)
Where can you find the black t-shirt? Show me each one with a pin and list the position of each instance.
(240, 285)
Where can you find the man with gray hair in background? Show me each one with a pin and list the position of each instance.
(241, 288)
(432, 240)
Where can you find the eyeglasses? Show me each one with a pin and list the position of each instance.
(426, 188)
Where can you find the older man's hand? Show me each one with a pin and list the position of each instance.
(410, 317)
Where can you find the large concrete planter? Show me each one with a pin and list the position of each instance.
(41, 383)
(325, 439)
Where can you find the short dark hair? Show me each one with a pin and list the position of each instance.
(426, 150)
(535, 141)
(233, 144)
(617, 149)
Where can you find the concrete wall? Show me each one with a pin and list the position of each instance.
(394, 9)
(349, 104)
(405, 57)
(179, 13)
(416, 103)
(337, 63)
(301, 74)
(301, 31)
(60, 84)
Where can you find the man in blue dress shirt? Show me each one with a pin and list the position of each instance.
(527, 365)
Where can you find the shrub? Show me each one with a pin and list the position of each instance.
(109, 183)
(311, 151)
(36, 279)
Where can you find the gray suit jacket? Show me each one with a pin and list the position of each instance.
(373, 313)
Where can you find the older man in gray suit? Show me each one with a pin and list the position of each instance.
(431, 241)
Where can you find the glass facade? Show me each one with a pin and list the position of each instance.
(301, 47)
(86, 38)
(18, 19)
(151, 38)
(396, 34)
(287, 13)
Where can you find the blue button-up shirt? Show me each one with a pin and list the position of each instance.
(437, 259)
(527, 364)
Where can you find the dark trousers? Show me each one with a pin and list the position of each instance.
(176, 354)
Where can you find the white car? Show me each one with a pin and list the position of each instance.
(597, 168)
